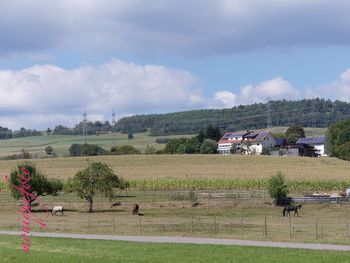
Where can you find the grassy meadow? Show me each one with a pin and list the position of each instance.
(239, 215)
(52, 250)
(61, 143)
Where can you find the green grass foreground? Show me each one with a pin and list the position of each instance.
(50, 250)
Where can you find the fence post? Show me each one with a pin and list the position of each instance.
(140, 225)
(347, 227)
(215, 230)
(265, 229)
(316, 227)
(290, 226)
(242, 227)
(113, 225)
(192, 225)
(63, 223)
(89, 225)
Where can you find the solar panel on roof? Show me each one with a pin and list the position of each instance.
(312, 140)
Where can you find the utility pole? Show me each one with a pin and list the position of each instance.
(114, 133)
(84, 126)
(268, 114)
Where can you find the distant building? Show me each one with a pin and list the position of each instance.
(299, 149)
(319, 143)
(230, 140)
(248, 142)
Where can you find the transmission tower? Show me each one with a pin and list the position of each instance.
(84, 126)
(113, 117)
(113, 127)
(268, 114)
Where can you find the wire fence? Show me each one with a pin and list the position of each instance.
(258, 228)
(251, 225)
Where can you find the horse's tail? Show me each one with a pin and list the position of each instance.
(284, 211)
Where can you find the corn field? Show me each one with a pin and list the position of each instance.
(239, 184)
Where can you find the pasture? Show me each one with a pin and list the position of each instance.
(52, 250)
(238, 215)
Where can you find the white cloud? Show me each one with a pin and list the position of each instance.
(223, 99)
(339, 89)
(190, 27)
(274, 89)
(38, 91)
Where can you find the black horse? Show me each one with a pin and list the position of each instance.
(290, 208)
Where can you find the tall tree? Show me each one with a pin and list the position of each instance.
(338, 139)
(295, 132)
(39, 184)
(213, 133)
(96, 178)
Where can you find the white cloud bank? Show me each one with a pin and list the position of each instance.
(44, 96)
(33, 96)
(274, 89)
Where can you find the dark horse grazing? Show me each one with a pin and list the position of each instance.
(290, 208)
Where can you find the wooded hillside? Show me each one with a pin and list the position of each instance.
(307, 113)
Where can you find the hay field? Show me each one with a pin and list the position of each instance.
(198, 166)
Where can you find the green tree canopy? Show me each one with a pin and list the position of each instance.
(96, 178)
(124, 150)
(39, 184)
(295, 132)
(208, 147)
(49, 150)
(278, 188)
(338, 139)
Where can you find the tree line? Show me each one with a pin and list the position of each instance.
(6, 133)
(307, 113)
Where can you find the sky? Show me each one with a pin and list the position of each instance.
(59, 58)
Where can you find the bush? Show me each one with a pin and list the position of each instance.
(344, 151)
(49, 150)
(85, 150)
(208, 147)
(277, 188)
(162, 140)
(124, 150)
(266, 151)
(150, 149)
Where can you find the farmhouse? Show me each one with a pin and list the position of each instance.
(319, 143)
(248, 142)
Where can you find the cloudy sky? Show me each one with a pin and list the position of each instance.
(155, 56)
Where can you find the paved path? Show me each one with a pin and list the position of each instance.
(189, 240)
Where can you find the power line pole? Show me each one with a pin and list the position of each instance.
(114, 133)
(84, 126)
(268, 113)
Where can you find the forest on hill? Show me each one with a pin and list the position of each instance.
(307, 113)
